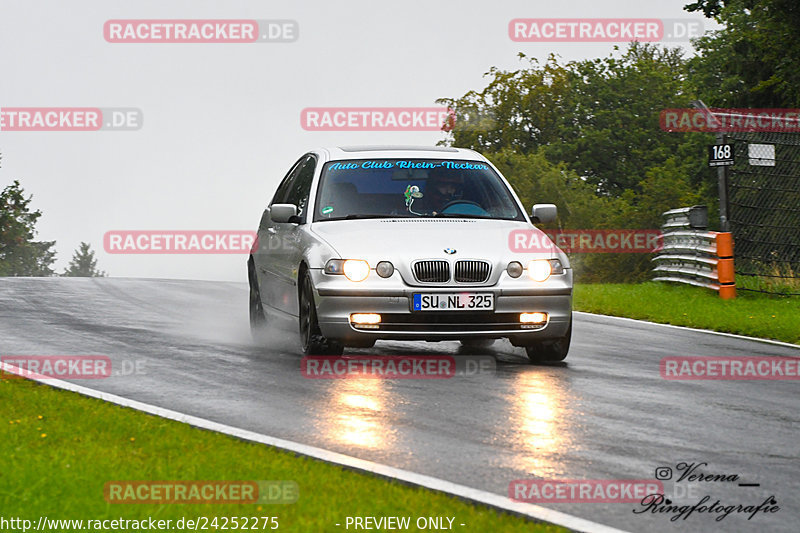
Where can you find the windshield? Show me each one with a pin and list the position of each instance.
(383, 188)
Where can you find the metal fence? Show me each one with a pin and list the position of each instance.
(691, 254)
(764, 210)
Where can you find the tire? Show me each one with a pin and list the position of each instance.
(552, 350)
(258, 319)
(312, 341)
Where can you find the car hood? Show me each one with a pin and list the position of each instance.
(391, 239)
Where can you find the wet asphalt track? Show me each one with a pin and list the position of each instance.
(605, 414)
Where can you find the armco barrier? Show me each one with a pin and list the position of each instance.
(692, 255)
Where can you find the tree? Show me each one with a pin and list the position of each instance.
(20, 255)
(754, 61)
(664, 187)
(586, 136)
(613, 137)
(520, 109)
(600, 116)
(83, 264)
(537, 180)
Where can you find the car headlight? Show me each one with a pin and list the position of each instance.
(355, 269)
(541, 269)
(514, 269)
(384, 269)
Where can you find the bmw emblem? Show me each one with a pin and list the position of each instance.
(450, 251)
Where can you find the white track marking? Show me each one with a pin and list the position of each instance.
(732, 335)
(460, 491)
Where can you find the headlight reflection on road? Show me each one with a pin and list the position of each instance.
(540, 422)
(355, 416)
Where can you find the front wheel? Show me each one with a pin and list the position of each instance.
(551, 350)
(311, 339)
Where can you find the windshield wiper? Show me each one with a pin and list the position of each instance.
(360, 216)
(351, 217)
(454, 215)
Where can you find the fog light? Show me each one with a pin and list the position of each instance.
(539, 269)
(514, 269)
(533, 318)
(384, 269)
(365, 320)
(356, 269)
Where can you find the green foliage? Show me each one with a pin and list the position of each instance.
(83, 263)
(520, 110)
(537, 180)
(20, 255)
(614, 134)
(758, 315)
(580, 207)
(586, 136)
(61, 448)
(600, 116)
(754, 61)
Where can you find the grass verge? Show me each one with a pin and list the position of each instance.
(753, 314)
(60, 448)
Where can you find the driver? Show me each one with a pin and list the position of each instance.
(444, 186)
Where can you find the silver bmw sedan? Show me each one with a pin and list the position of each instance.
(374, 242)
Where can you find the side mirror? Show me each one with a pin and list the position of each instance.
(265, 218)
(544, 213)
(282, 212)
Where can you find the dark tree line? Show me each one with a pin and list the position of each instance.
(20, 253)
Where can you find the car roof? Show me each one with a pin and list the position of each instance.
(397, 151)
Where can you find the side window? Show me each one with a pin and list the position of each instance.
(286, 184)
(301, 186)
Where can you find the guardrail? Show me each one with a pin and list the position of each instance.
(692, 255)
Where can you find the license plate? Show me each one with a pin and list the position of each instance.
(454, 301)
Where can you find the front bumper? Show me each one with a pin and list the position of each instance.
(337, 298)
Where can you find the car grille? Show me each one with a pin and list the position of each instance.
(432, 271)
(472, 271)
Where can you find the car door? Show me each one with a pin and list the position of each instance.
(268, 253)
(289, 236)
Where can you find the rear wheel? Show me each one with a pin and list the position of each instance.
(258, 319)
(551, 350)
(311, 339)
